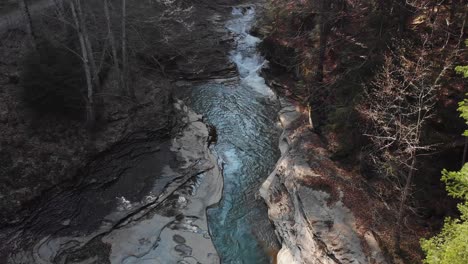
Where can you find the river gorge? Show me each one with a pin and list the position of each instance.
(237, 176)
(178, 200)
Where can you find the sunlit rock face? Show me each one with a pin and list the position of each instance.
(308, 210)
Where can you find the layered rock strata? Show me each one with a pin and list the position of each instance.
(308, 210)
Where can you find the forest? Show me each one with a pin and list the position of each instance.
(384, 83)
(113, 113)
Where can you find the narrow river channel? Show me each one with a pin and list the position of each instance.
(244, 114)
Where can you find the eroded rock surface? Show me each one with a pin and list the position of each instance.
(101, 222)
(41, 152)
(307, 202)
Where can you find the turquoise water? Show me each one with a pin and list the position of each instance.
(244, 113)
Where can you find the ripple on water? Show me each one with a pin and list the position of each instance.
(245, 116)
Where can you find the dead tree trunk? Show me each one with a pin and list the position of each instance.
(90, 115)
(113, 46)
(28, 22)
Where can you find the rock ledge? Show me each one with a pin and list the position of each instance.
(307, 205)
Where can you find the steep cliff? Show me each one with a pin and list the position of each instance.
(315, 206)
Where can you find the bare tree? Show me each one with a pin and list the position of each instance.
(78, 21)
(398, 105)
(89, 47)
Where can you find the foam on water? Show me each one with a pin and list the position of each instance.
(244, 114)
(249, 62)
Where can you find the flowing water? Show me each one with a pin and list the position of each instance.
(244, 114)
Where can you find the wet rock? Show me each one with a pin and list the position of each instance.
(212, 135)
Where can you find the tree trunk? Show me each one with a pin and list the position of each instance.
(382, 9)
(89, 48)
(113, 47)
(125, 71)
(90, 116)
(404, 197)
(402, 9)
(323, 35)
(28, 22)
(403, 14)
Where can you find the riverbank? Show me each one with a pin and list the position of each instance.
(45, 153)
(154, 209)
(340, 69)
(139, 188)
(144, 192)
(319, 210)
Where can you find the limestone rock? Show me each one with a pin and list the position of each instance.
(311, 220)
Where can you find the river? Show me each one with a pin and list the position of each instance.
(244, 113)
(144, 199)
